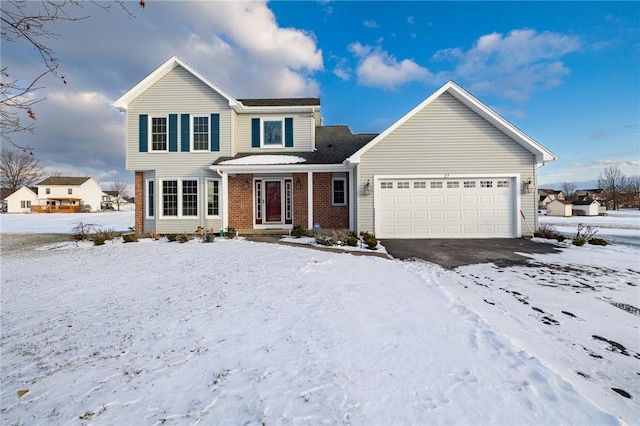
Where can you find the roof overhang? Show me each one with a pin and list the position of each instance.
(542, 154)
(277, 168)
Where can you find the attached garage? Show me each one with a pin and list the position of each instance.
(462, 207)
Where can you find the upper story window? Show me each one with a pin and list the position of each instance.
(272, 132)
(158, 133)
(200, 134)
(47, 190)
(69, 191)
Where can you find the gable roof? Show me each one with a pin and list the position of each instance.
(122, 103)
(11, 193)
(64, 180)
(542, 154)
(5, 192)
(586, 202)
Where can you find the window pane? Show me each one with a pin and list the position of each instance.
(419, 185)
(189, 198)
(159, 134)
(453, 184)
(212, 198)
(272, 132)
(469, 183)
(201, 133)
(170, 198)
(339, 191)
(386, 185)
(486, 184)
(503, 184)
(150, 199)
(435, 185)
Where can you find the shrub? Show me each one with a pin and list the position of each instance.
(546, 231)
(107, 233)
(98, 240)
(370, 240)
(183, 238)
(598, 242)
(130, 238)
(153, 235)
(82, 230)
(560, 238)
(584, 234)
(352, 241)
(172, 237)
(298, 231)
(231, 233)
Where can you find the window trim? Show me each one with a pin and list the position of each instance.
(207, 180)
(333, 190)
(193, 129)
(47, 191)
(282, 133)
(150, 204)
(160, 210)
(150, 132)
(69, 191)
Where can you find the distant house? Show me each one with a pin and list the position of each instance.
(21, 200)
(545, 196)
(592, 194)
(559, 208)
(586, 207)
(62, 194)
(4, 193)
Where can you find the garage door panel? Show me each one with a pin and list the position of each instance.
(438, 208)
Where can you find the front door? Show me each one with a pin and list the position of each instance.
(273, 200)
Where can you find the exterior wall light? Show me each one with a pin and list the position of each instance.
(245, 184)
(367, 188)
(527, 186)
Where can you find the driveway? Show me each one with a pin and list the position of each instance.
(451, 253)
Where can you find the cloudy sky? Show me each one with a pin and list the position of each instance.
(566, 73)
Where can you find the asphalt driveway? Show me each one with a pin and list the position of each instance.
(451, 253)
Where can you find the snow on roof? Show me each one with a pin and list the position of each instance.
(266, 159)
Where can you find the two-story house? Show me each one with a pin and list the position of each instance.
(68, 194)
(451, 167)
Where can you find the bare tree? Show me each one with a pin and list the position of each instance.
(612, 181)
(569, 188)
(18, 168)
(633, 187)
(30, 23)
(122, 191)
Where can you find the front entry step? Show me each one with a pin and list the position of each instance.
(274, 231)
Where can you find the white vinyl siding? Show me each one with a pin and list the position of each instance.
(303, 132)
(445, 137)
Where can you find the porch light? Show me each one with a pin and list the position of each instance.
(245, 184)
(527, 186)
(367, 188)
(298, 184)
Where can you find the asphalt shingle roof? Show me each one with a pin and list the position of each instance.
(64, 180)
(281, 102)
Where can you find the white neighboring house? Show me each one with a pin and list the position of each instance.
(560, 208)
(21, 200)
(62, 194)
(585, 208)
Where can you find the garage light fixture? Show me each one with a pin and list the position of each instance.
(527, 186)
(367, 188)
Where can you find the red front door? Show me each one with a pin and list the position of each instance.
(273, 201)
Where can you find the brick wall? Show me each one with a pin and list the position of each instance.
(240, 201)
(139, 202)
(330, 217)
(300, 211)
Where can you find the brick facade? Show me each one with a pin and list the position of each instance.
(240, 201)
(300, 210)
(329, 216)
(139, 202)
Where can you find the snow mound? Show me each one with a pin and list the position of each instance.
(265, 159)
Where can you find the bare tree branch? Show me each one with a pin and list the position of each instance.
(19, 168)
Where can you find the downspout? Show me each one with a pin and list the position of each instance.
(203, 200)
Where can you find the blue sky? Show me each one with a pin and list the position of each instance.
(566, 73)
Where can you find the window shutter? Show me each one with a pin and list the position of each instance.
(143, 132)
(185, 141)
(173, 132)
(288, 132)
(255, 133)
(214, 128)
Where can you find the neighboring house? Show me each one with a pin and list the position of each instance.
(545, 196)
(586, 207)
(591, 194)
(451, 167)
(68, 195)
(4, 193)
(20, 201)
(559, 208)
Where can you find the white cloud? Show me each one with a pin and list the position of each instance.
(511, 66)
(378, 68)
(370, 23)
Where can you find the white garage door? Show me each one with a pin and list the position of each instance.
(445, 208)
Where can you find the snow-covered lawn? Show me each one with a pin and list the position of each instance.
(236, 332)
(622, 226)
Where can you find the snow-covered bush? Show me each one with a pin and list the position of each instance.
(584, 234)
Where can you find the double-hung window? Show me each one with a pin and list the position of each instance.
(339, 191)
(170, 198)
(189, 198)
(200, 134)
(213, 197)
(151, 198)
(158, 133)
(272, 132)
(179, 198)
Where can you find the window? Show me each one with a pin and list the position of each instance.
(419, 185)
(339, 191)
(435, 185)
(158, 133)
(47, 191)
(503, 184)
(213, 197)
(453, 184)
(200, 135)
(386, 185)
(69, 191)
(403, 185)
(189, 198)
(469, 183)
(25, 204)
(272, 132)
(151, 199)
(288, 202)
(486, 184)
(170, 198)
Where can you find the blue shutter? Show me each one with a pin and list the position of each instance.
(255, 133)
(185, 141)
(143, 140)
(214, 129)
(173, 132)
(288, 132)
